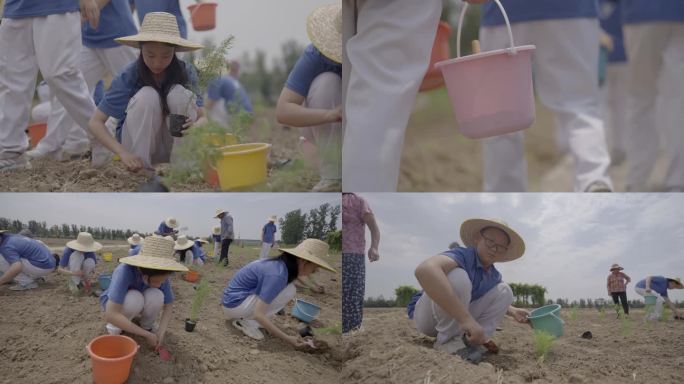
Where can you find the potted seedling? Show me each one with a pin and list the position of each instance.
(202, 290)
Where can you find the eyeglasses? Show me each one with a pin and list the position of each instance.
(498, 248)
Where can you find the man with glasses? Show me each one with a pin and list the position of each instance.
(464, 297)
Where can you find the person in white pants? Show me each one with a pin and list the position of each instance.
(464, 296)
(565, 66)
(78, 261)
(268, 237)
(657, 286)
(654, 40)
(216, 237)
(185, 249)
(24, 260)
(40, 35)
(41, 112)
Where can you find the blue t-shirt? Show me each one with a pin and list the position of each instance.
(310, 64)
(126, 277)
(269, 232)
(264, 278)
(164, 230)
(98, 92)
(231, 91)
(116, 20)
(143, 7)
(66, 255)
(135, 249)
(639, 11)
(15, 247)
(533, 10)
(16, 9)
(658, 284)
(611, 22)
(197, 252)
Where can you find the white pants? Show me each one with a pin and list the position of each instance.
(431, 320)
(41, 112)
(29, 272)
(657, 310)
(655, 102)
(566, 79)
(265, 249)
(615, 107)
(145, 131)
(146, 304)
(217, 249)
(388, 55)
(52, 45)
(95, 64)
(246, 309)
(78, 262)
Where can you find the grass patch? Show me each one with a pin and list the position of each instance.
(543, 341)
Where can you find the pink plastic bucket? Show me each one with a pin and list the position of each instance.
(491, 92)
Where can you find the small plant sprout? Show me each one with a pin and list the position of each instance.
(625, 322)
(542, 344)
(665, 315)
(197, 301)
(602, 313)
(573, 315)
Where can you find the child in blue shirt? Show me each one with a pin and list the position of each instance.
(78, 260)
(24, 260)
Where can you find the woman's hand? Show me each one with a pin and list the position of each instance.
(131, 161)
(318, 288)
(334, 115)
(474, 332)
(152, 340)
(520, 315)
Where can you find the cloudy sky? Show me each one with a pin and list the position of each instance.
(144, 212)
(571, 239)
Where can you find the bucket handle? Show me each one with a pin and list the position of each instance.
(302, 310)
(557, 318)
(513, 50)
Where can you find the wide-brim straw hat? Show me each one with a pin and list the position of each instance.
(324, 27)
(183, 243)
(218, 212)
(676, 280)
(216, 230)
(312, 250)
(272, 218)
(160, 27)
(202, 240)
(156, 253)
(136, 239)
(171, 222)
(616, 266)
(84, 243)
(471, 228)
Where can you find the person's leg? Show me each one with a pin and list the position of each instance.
(41, 112)
(217, 248)
(265, 248)
(615, 110)
(623, 300)
(388, 57)
(29, 273)
(132, 306)
(76, 264)
(616, 297)
(228, 242)
(144, 132)
(153, 303)
(491, 308)
(188, 257)
(280, 301)
(199, 262)
(353, 290)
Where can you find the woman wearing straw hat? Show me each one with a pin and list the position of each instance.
(464, 296)
(146, 91)
(263, 287)
(141, 287)
(136, 242)
(187, 251)
(617, 286)
(227, 233)
(216, 237)
(78, 260)
(168, 227)
(657, 286)
(198, 249)
(312, 96)
(268, 237)
(24, 260)
(143, 7)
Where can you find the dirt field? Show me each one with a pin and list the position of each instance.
(391, 351)
(44, 333)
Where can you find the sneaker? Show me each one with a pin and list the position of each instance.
(40, 152)
(40, 280)
(19, 163)
(598, 186)
(100, 156)
(328, 185)
(354, 332)
(248, 329)
(20, 287)
(73, 287)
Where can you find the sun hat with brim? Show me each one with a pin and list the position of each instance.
(84, 243)
(312, 250)
(471, 228)
(272, 218)
(216, 230)
(136, 239)
(171, 222)
(676, 280)
(159, 27)
(183, 243)
(156, 253)
(324, 27)
(218, 212)
(616, 266)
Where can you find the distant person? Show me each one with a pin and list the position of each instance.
(78, 260)
(198, 250)
(168, 227)
(187, 251)
(24, 260)
(227, 234)
(216, 237)
(135, 242)
(356, 215)
(657, 286)
(268, 237)
(226, 96)
(617, 286)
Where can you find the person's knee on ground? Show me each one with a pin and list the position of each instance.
(153, 303)
(326, 93)
(133, 305)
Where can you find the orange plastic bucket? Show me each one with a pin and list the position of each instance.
(191, 276)
(36, 132)
(440, 52)
(203, 16)
(211, 176)
(111, 357)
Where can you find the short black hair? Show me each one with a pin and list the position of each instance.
(153, 272)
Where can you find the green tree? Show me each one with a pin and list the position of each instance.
(334, 240)
(404, 294)
(292, 227)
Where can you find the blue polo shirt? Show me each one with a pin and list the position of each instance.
(640, 11)
(264, 278)
(143, 7)
(135, 249)
(164, 230)
(534, 10)
(658, 284)
(197, 252)
(66, 255)
(269, 232)
(126, 277)
(15, 247)
(116, 20)
(310, 64)
(231, 91)
(610, 18)
(16, 9)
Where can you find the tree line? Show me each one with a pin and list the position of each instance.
(65, 231)
(319, 223)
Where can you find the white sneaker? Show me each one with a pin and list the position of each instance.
(328, 185)
(598, 186)
(112, 330)
(20, 287)
(100, 156)
(18, 163)
(248, 329)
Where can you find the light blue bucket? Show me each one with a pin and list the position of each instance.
(305, 311)
(650, 300)
(547, 319)
(104, 279)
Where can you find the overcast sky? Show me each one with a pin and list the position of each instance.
(571, 239)
(144, 212)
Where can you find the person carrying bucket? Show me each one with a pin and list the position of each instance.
(657, 286)
(136, 243)
(356, 215)
(216, 237)
(268, 237)
(464, 297)
(78, 260)
(168, 227)
(226, 96)
(141, 287)
(24, 260)
(227, 233)
(312, 96)
(263, 287)
(146, 92)
(188, 252)
(617, 286)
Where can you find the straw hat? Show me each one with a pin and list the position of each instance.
(171, 222)
(311, 250)
(324, 27)
(160, 27)
(471, 228)
(156, 253)
(136, 239)
(272, 218)
(676, 280)
(84, 242)
(216, 230)
(218, 212)
(616, 266)
(183, 243)
(202, 240)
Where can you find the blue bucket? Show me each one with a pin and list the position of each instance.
(547, 319)
(650, 299)
(305, 311)
(104, 279)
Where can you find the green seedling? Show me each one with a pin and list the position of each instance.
(625, 322)
(665, 315)
(334, 330)
(197, 301)
(543, 341)
(573, 315)
(602, 313)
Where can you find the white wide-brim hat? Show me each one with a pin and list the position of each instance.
(171, 222)
(312, 250)
(324, 27)
(136, 239)
(471, 228)
(616, 266)
(218, 212)
(272, 218)
(183, 243)
(160, 27)
(216, 230)
(85, 243)
(156, 253)
(676, 280)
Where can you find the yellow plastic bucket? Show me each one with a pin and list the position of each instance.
(242, 165)
(107, 256)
